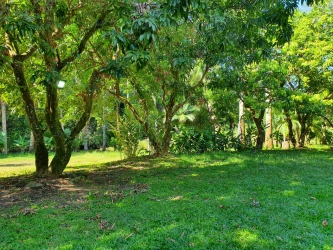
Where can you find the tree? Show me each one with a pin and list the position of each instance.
(4, 127)
(309, 57)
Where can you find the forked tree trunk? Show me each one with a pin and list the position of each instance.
(63, 143)
(4, 126)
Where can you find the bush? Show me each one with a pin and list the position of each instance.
(191, 140)
(127, 135)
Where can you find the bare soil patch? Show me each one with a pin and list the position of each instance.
(72, 187)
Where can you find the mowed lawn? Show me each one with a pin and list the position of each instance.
(25, 163)
(228, 200)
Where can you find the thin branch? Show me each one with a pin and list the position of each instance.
(130, 106)
(328, 120)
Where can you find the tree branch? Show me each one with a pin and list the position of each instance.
(83, 42)
(26, 55)
(87, 104)
(328, 120)
(130, 106)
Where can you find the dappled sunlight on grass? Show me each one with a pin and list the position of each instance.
(25, 163)
(246, 238)
(288, 193)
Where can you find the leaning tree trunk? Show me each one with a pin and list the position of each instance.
(4, 126)
(41, 153)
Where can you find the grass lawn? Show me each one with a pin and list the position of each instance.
(16, 164)
(230, 200)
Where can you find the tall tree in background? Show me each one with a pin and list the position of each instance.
(4, 126)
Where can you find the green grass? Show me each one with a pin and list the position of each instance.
(265, 200)
(16, 164)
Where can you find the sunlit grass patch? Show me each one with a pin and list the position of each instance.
(19, 164)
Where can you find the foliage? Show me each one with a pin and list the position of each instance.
(193, 140)
(22, 143)
(127, 133)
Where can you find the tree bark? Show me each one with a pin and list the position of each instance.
(32, 143)
(63, 143)
(269, 129)
(260, 128)
(292, 138)
(41, 153)
(241, 122)
(86, 138)
(304, 130)
(4, 126)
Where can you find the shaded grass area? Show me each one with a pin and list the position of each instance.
(16, 164)
(248, 200)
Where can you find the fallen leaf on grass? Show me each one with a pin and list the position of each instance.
(313, 198)
(172, 240)
(279, 238)
(104, 224)
(129, 235)
(27, 211)
(324, 223)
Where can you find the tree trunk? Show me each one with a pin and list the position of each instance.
(259, 125)
(302, 120)
(301, 139)
(63, 143)
(291, 131)
(41, 153)
(61, 158)
(269, 129)
(104, 137)
(32, 142)
(241, 123)
(167, 131)
(86, 138)
(4, 126)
